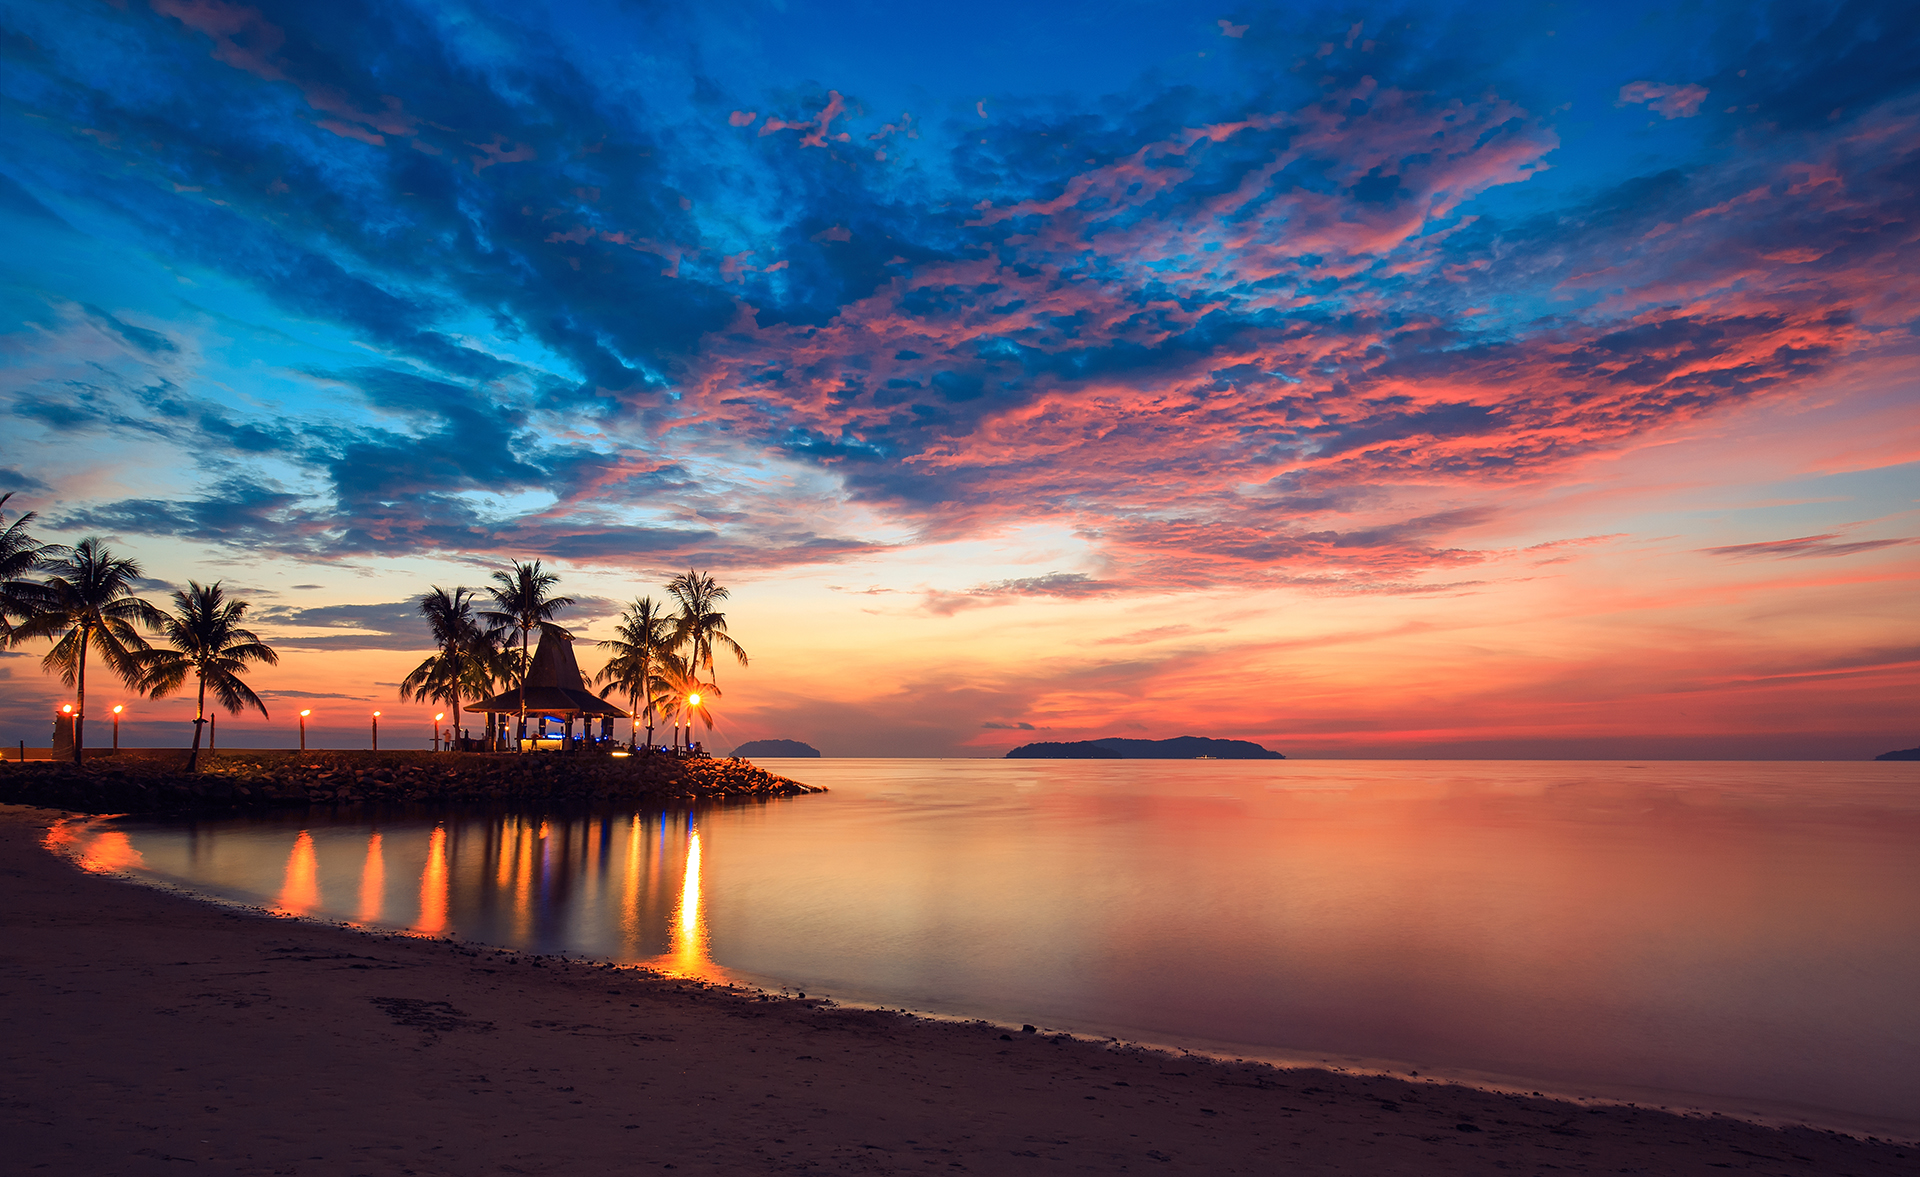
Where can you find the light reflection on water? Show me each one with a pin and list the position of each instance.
(1746, 934)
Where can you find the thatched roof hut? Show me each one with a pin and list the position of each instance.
(554, 685)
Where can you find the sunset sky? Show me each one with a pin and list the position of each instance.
(1486, 380)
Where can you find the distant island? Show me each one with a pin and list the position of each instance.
(1903, 754)
(1115, 748)
(776, 748)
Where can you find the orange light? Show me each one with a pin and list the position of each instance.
(376, 715)
(694, 699)
(438, 716)
(304, 714)
(117, 709)
(67, 708)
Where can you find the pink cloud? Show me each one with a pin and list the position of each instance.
(1806, 546)
(741, 118)
(1675, 102)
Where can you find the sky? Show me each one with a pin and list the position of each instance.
(1409, 380)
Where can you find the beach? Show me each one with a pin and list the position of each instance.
(151, 1028)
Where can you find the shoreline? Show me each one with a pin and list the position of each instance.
(155, 1024)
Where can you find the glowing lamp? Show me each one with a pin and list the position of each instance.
(118, 708)
(694, 699)
(304, 714)
(66, 708)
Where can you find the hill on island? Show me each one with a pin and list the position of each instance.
(1116, 748)
(776, 748)
(1902, 754)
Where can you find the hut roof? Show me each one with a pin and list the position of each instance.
(554, 685)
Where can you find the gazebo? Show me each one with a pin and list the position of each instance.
(555, 690)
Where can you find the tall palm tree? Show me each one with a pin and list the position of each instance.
(20, 554)
(643, 666)
(210, 644)
(699, 628)
(467, 662)
(520, 601)
(86, 603)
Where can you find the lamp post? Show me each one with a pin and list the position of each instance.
(376, 731)
(437, 717)
(303, 729)
(117, 709)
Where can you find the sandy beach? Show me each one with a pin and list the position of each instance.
(150, 1032)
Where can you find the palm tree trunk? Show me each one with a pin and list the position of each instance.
(521, 734)
(80, 696)
(199, 718)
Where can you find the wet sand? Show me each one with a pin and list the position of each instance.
(147, 1030)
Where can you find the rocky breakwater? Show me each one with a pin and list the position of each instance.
(230, 780)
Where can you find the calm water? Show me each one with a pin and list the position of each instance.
(1743, 936)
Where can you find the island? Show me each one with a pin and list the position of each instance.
(1117, 748)
(1902, 754)
(774, 749)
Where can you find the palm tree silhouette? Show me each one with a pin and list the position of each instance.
(698, 627)
(521, 602)
(467, 662)
(687, 688)
(209, 643)
(20, 554)
(87, 603)
(642, 665)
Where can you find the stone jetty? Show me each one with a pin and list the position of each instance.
(239, 779)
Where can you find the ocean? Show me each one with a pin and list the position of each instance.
(1741, 936)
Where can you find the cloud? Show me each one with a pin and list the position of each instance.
(1011, 727)
(1295, 327)
(1805, 547)
(1675, 102)
(394, 625)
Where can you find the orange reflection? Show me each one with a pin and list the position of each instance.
(93, 849)
(301, 893)
(509, 836)
(523, 885)
(630, 887)
(688, 952)
(110, 851)
(373, 881)
(433, 884)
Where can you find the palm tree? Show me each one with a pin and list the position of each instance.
(643, 665)
(698, 627)
(209, 643)
(686, 691)
(521, 602)
(20, 554)
(86, 603)
(467, 663)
